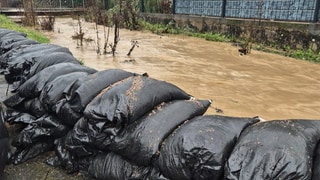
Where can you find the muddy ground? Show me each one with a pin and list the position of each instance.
(260, 84)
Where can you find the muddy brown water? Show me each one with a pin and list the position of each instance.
(260, 84)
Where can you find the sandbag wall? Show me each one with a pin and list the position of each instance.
(115, 124)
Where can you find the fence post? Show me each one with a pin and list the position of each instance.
(223, 8)
(173, 6)
(316, 11)
(142, 6)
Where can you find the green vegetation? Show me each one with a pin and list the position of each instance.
(81, 61)
(170, 28)
(32, 34)
(309, 55)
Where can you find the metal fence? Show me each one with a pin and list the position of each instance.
(45, 3)
(288, 10)
(59, 3)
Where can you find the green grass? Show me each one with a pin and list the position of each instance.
(171, 29)
(309, 55)
(6, 23)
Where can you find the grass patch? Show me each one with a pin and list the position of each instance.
(303, 54)
(6, 23)
(170, 28)
(308, 55)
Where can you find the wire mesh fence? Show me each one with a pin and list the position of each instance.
(291, 10)
(59, 3)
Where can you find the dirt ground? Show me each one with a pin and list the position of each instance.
(259, 84)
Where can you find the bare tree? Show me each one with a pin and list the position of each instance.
(29, 13)
(116, 21)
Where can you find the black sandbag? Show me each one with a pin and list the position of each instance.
(20, 50)
(53, 91)
(34, 107)
(49, 60)
(81, 92)
(11, 38)
(140, 141)
(25, 153)
(316, 163)
(78, 141)
(63, 158)
(33, 86)
(279, 149)
(4, 143)
(8, 41)
(32, 50)
(8, 47)
(4, 32)
(16, 65)
(13, 116)
(84, 90)
(63, 111)
(200, 147)
(43, 129)
(102, 133)
(112, 166)
(126, 101)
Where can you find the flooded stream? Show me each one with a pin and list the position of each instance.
(259, 84)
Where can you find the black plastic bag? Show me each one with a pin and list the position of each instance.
(33, 86)
(78, 141)
(200, 147)
(43, 129)
(128, 100)
(65, 113)
(84, 90)
(316, 163)
(23, 154)
(64, 158)
(53, 91)
(49, 60)
(34, 107)
(4, 32)
(22, 50)
(112, 166)
(8, 41)
(17, 65)
(140, 141)
(4, 143)
(13, 116)
(279, 149)
(11, 38)
(8, 47)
